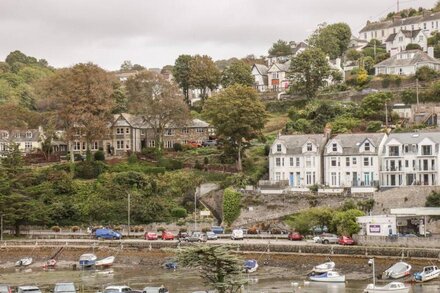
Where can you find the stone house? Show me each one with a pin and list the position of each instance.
(28, 140)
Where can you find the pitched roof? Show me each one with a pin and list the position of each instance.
(372, 26)
(262, 69)
(294, 143)
(398, 61)
(282, 67)
(414, 137)
(298, 47)
(407, 33)
(350, 143)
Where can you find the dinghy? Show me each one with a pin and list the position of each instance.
(394, 287)
(250, 266)
(24, 262)
(325, 267)
(396, 271)
(328, 277)
(87, 260)
(428, 273)
(50, 264)
(105, 262)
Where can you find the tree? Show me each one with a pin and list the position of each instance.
(345, 222)
(332, 39)
(433, 199)
(217, 265)
(413, 47)
(203, 74)
(373, 106)
(308, 72)
(126, 66)
(237, 73)
(231, 205)
(83, 99)
(181, 73)
(280, 48)
(159, 103)
(237, 114)
(353, 55)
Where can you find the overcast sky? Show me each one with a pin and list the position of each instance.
(154, 32)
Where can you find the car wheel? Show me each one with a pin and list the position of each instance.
(325, 242)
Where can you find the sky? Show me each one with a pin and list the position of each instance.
(154, 33)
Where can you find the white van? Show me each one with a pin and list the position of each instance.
(237, 234)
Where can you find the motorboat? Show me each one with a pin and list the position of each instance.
(396, 271)
(325, 267)
(328, 277)
(87, 260)
(428, 273)
(105, 262)
(24, 262)
(395, 287)
(250, 266)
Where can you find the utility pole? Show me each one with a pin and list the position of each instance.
(128, 209)
(195, 210)
(1, 227)
(386, 115)
(417, 93)
(398, 6)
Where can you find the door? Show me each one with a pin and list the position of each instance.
(291, 179)
(366, 179)
(355, 181)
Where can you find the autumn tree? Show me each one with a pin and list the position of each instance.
(203, 74)
(280, 48)
(83, 100)
(332, 39)
(181, 73)
(237, 114)
(237, 73)
(158, 101)
(309, 71)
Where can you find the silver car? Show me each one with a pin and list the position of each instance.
(64, 288)
(211, 235)
(326, 238)
(28, 289)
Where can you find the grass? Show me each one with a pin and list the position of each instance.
(275, 123)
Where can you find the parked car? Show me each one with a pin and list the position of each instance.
(107, 234)
(209, 142)
(211, 235)
(193, 144)
(167, 235)
(217, 229)
(117, 289)
(28, 289)
(182, 235)
(150, 236)
(326, 238)
(295, 236)
(319, 229)
(237, 234)
(64, 288)
(5, 288)
(346, 240)
(197, 237)
(161, 289)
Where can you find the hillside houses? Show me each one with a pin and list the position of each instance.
(27, 140)
(397, 42)
(407, 63)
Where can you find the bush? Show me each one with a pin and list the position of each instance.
(252, 230)
(178, 213)
(183, 229)
(55, 229)
(139, 167)
(89, 170)
(99, 156)
(198, 166)
(413, 46)
(204, 230)
(160, 229)
(75, 228)
(231, 205)
(205, 161)
(426, 73)
(132, 159)
(177, 147)
(170, 164)
(374, 126)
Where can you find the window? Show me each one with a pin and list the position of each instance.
(119, 144)
(185, 130)
(169, 144)
(277, 176)
(278, 162)
(4, 134)
(308, 162)
(424, 25)
(334, 147)
(400, 39)
(347, 161)
(77, 145)
(334, 178)
(291, 162)
(406, 163)
(367, 147)
(84, 145)
(168, 132)
(308, 178)
(2, 147)
(119, 130)
(393, 151)
(366, 161)
(333, 162)
(28, 145)
(127, 130)
(275, 75)
(426, 150)
(143, 132)
(95, 145)
(17, 135)
(309, 147)
(200, 130)
(152, 143)
(278, 148)
(421, 39)
(297, 162)
(354, 161)
(28, 134)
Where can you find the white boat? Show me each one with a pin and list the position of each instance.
(428, 273)
(396, 271)
(24, 262)
(87, 260)
(250, 266)
(105, 262)
(325, 267)
(328, 277)
(395, 287)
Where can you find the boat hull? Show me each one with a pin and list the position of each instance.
(106, 262)
(372, 289)
(24, 262)
(87, 260)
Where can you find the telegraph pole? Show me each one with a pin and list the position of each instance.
(417, 92)
(1, 227)
(398, 6)
(128, 209)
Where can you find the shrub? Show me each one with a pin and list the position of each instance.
(160, 229)
(55, 229)
(266, 150)
(132, 159)
(183, 229)
(204, 230)
(75, 228)
(198, 166)
(177, 147)
(89, 170)
(413, 46)
(178, 213)
(205, 161)
(426, 73)
(181, 222)
(99, 156)
(275, 231)
(170, 164)
(252, 230)
(231, 205)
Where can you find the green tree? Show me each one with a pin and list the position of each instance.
(353, 55)
(345, 221)
(373, 106)
(309, 71)
(218, 266)
(231, 205)
(433, 199)
(332, 39)
(345, 124)
(12, 160)
(280, 48)
(426, 73)
(181, 73)
(237, 114)
(237, 73)
(203, 74)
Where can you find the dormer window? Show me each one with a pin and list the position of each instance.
(4, 135)
(278, 148)
(334, 147)
(309, 147)
(17, 135)
(367, 147)
(28, 134)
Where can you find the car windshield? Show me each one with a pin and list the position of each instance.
(31, 290)
(65, 288)
(111, 290)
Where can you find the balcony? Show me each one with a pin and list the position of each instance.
(393, 169)
(393, 154)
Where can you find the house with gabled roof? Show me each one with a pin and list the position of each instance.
(27, 140)
(397, 42)
(277, 76)
(407, 62)
(259, 72)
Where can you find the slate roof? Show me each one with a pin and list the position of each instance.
(400, 22)
(419, 57)
(137, 121)
(407, 33)
(301, 45)
(414, 137)
(294, 143)
(262, 69)
(282, 67)
(21, 135)
(351, 142)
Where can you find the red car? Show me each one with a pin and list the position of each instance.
(150, 236)
(295, 236)
(167, 235)
(345, 240)
(193, 144)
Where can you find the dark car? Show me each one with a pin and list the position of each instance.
(209, 142)
(182, 235)
(217, 229)
(295, 236)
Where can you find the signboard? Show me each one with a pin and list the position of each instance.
(374, 229)
(205, 213)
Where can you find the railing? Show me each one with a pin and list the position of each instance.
(273, 183)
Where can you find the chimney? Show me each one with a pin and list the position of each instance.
(397, 17)
(431, 52)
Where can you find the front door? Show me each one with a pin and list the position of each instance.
(366, 179)
(291, 179)
(355, 181)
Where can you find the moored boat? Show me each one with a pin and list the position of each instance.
(325, 267)
(428, 273)
(105, 262)
(250, 265)
(328, 277)
(50, 264)
(396, 271)
(87, 260)
(395, 287)
(24, 262)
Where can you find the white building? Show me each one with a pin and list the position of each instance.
(410, 159)
(428, 22)
(259, 72)
(407, 62)
(397, 42)
(296, 159)
(277, 76)
(352, 160)
(378, 225)
(27, 140)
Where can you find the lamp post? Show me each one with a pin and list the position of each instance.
(128, 210)
(1, 227)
